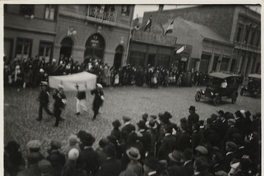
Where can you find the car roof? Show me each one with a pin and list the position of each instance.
(255, 76)
(223, 75)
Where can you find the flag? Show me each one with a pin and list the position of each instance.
(180, 50)
(169, 29)
(148, 25)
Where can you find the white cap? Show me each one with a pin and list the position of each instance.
(60, 86)
(99, 85)
(73, 154)
(41, 70)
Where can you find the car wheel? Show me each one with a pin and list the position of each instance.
(216, 101)
(241, 92)
(198, 96)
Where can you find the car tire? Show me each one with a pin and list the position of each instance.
(217, 101)
(198, 96)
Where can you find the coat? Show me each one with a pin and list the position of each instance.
(167, 146)
(193, 118)
(98, 101)
(43, 97)
(90, 160)
(183, 141)
(188, 168)
(128, 128)
(111, 167)
(33, 170)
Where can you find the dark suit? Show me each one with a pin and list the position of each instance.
(146, 141)
(167, 146)
(58, 105)
(57, 161)
(111, 167)
(33, 170)
(127, 129)
(175, 170)
(183, 141)
(188, 168)
(43, 99)
(89, 159)
(98, 102)
(193, 118)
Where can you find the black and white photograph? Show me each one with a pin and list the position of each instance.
(131, 89)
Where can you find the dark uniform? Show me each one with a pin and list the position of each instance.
(98, 101)
(43, 99)
(58, 105)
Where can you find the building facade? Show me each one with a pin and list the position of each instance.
(235, 23)
(80, 31)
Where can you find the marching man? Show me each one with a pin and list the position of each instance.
(98, 99)
(59, 104)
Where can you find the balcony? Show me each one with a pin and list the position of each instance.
(247, 47)
(103, 15)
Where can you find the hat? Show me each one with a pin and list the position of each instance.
(17, 67)
(44, 83)
(176, 156)
(231, 145)
(232, 121)
(34, 144)
(163, 164)
(133, 153)
(60, 86)
(145, 116)
(55, 144)
(110, 150)
(151, 124)
(73, 154)
(116, 123)
(44, 166)
(88, 139)
(34, 158)
(141, 124)
(221, 112)
(187, 154)
(53, 60)
(41, 70)
(201, 149)
(247, 113)
(152, 162)
(73, 139)
(103, 142)
(221, 173)
(99, 86)
(192, 108)
(153, 116)
(167, 114)
(126, 119)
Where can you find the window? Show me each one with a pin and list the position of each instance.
(239, 32)
(105, 12)
(45, 50)
(27, 10)
(252, 38)
(125, 10)
(50, 12)
(23, 48)
(247, 35)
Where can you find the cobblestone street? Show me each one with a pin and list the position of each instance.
(21, 111)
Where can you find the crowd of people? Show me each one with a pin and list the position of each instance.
(31, 71)
(224, 144)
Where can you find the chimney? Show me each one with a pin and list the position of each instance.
(161, 7)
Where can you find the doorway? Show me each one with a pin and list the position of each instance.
(118, 57)
(151, 59)
(66, 47)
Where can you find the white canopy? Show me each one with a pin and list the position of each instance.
(79, 81)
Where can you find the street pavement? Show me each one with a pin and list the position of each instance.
(21, 111)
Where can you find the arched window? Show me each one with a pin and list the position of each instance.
(95, 46)
(66, 47)
(118, 56)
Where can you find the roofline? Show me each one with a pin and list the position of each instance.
(225, 43)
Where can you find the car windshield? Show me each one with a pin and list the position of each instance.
(214, 82)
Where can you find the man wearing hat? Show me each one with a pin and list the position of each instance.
(150, 166)
(59, 104)
(112, 166)
(176, 163)
(222, 124)
(146, 137)
(116, 131)
(231, 130)
(55, 157)
(32, 168)
(88, 156)
(98, 99)
(168, 144)
(188, 162)
(43, 100)
(134, 167)
(193, 117)
(128, 127)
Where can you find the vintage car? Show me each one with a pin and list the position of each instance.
(220, 85)
(253, 86)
